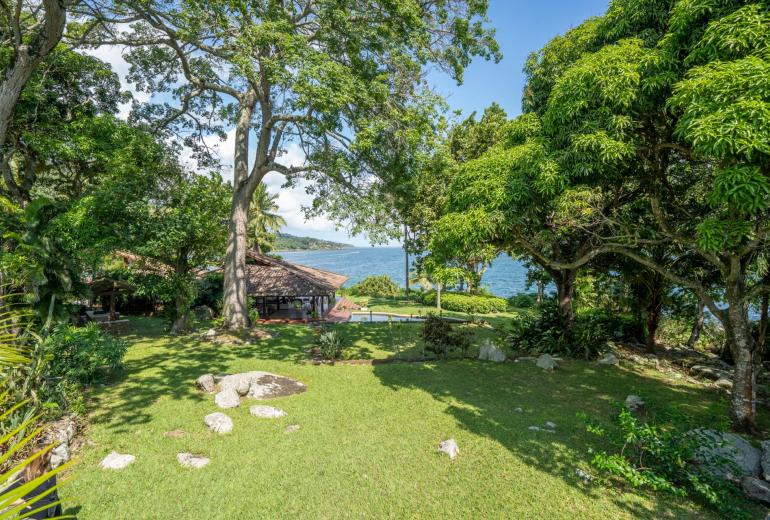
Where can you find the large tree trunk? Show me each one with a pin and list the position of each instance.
(235, 306)
(654, 306)
(565, 290)
(697, 327)
(182, 310)
(744, 350)
(26, 58)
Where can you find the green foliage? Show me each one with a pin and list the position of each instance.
(210, 291)
(547, 331)
(659, 457)
(285, 241)
(376, 286)
(330, 344)
(523, 300)
(467, 303)
(81, 354)
(440, 337)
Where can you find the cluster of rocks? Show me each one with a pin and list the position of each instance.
(717, 371)
(61, 433)
(252, 385)
(548, 427)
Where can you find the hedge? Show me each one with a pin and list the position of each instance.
(470, 304)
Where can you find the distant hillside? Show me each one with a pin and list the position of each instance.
(286, 242)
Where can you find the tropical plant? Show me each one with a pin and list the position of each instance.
(264, 222)
(330, 344)
(376, 286)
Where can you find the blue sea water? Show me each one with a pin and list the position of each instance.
(505, 277)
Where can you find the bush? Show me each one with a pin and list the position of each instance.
(440, 337)
(210, 292)
(378, 286)
(330, 344)
(81, 354)
(523, 300)
(467, 303)
(658, 457)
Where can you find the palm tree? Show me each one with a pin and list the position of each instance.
(264, 222)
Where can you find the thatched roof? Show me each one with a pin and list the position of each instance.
(267, 276)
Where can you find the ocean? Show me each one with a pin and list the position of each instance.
(505, 277)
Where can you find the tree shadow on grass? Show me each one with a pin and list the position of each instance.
(483, 398)
(159, 366)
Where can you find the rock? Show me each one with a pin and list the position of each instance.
(490, 352)
(635, 404)
(188, 460)
(708, 372)
(584, 476)
(59, 455)
(261, 385)
(291, 428)
(546, 362)
(726, 455)
(206, 383)
(723, 383)
(550, 425)
(266, 412)
(756, 489)
(534, 428)
(449, 447)
(117, 461)
(211, 333)
(519, 409)
(175, 434)
(609, 359)
(765, 460)
(203, 312)
(63, 430)
(219, 422)
(227, 398)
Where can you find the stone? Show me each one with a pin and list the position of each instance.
(583, 475)
(188, 460)
(206, 383)
(546, 362)
(756, 489)
(518, 409)
(534, 428)
(550, 425)
(726, 455)
(175, 434)
(491, 352)
(635, 404)
(117, 461)
(266, 412)
(708, 372)
(261, 385)
(219, 422)
(211, 333)
(203, 312)
(59, 455)
(291, 428)
(449, 447)
(765, 460)
(227, 398)
(723, 383)
(609, 359)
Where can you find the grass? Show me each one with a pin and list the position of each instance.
(368, 437)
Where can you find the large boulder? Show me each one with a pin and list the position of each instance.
(546, 362)
(756, 489)
(491, 352)
(227, 398)
(206, 383)
(726, 455)
(117, 461)
(219, 422)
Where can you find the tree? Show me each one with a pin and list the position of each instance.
(264, 223)
(318, 72)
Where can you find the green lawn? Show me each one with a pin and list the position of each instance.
(368, 437)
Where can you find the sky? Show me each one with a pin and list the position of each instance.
(522, 26)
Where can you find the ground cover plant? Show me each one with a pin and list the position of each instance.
(345, 460)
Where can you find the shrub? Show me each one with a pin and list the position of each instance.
(659, 457)
(523, 300)
(467, 303)
(546, 332)
(440, 337)
(330, 344)
(378, 286)
(210, 292)
(81, 354)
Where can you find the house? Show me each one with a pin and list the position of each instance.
(283, 290)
